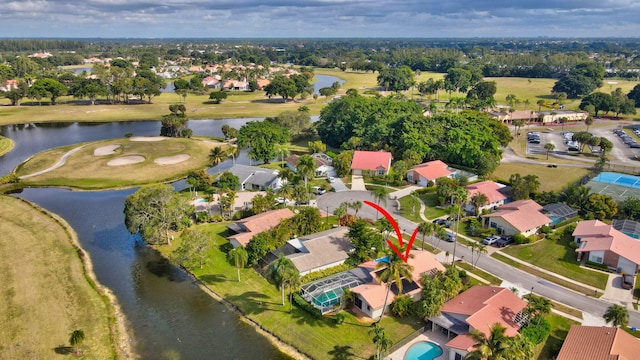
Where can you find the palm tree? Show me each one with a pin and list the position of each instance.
(549, 147)
(426, 228)
(216, 156)
(281, 271)
(493, 347)
(588, 121)
(480, 249)
(75, 339)
(356, 206)
(540, 103)
(479, 200)
(517, 124)
(538, 306)
(239, 258)
(617, 315)
(460, 196)
(286, 191)
(393, 272)
(282, 152)
(286, 174)
(340, 211)
(306, 167)
(380, 339)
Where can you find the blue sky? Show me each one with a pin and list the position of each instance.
(319, 18)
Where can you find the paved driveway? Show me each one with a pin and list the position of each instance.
(614, 292)
(338, 185)
(357, 183)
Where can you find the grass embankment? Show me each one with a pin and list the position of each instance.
(261, 302)
(6, 145)
(551, 179)
(85, 170)
(558, 258)
(44, 292)
(559, 329)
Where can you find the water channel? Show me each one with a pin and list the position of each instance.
(169, 315)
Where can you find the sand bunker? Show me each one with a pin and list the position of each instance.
(105, 150)
(147, 138)
(126, 160)
(170, 160)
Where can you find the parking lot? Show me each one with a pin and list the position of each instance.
(622, 152)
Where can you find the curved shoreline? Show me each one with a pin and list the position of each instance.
(12, 144)
(121, 338)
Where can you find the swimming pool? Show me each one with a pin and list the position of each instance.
(423, 350)
(618, 179)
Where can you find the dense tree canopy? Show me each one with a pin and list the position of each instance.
(261, 137)
(396, 79)
(601, 102)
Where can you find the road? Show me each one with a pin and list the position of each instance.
(587, 304)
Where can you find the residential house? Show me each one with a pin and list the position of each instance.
(245, 229)
(371, 162)
(477, 309)
(262, 83)
(236, 85)
(598, 342)
(212, 83)
(603, 244)
(429, 172)
(256, 178)
(9, 85)
(320, 251)
(370, 297)
(518, 217)
(559, 212)
(495, 193)
(323, 163)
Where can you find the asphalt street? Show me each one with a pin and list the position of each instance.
(523, 279)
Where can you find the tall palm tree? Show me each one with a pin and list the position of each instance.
(479, 200)
(216, 156)
(426, 228)
(617, 315)
(588, 121)
(460, 196)
(282, 152)
(380, 339)
(281, 271)
(306, 167)
(356, 206)
(480, 249)
(392, 272)
(75, 339)
(286, 191)
(493, 347)
(286, 174)
(538, 306)
(549, 147)
(239, 258)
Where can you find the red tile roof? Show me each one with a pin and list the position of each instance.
(522, 214)
(258, 223)
(599, 236)
(432, 170)
(487, 305)
(598, 343)
(489, 188)
(371, 160)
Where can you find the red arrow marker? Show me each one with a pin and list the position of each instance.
(384, 212)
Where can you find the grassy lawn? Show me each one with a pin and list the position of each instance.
(85, 170)
(540, 274)
(558, 258)
(44, 292)
(261, 302)
(431, 211)
(559, 329)
(410, 208)
(550, 178)
(6, 145)
(493, 280)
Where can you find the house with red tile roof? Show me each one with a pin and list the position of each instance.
(323, 163)
(371, 162)
(495, 193)
(9, 85)
(518, 217)
(603, 244)
(211, 82)
(423, 173)
(369, 297)
(245, 229)
(477, 309)
(598, 342)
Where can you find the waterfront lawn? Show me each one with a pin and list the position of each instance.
(262, 302)
(6, 145)
(44, 292)
(550, 178)
(85, 170)
(559, 258)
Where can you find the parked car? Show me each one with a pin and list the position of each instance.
(450, 237)
(504, 241)
(318, 190)
(440, 222)
(331, 179)
(627, 281)
(490, 240)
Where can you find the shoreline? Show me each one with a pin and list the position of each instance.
(121, 338)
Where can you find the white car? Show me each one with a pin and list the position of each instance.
(331, 179)
(318, 190)
(490, 240)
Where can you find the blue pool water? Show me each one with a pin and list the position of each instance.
(201, 201)
(618, 179)
(423, 350)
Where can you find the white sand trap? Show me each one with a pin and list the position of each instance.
(147, 138)
(105, 150)
(170, 160)
(126, 160)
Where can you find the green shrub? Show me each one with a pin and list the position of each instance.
(9, 179)
(402, 306)
(128, 134)
(520, 239)
(537, 331)
(202, 217)
(597, 265)
(312, 276)
(339, 318)
(545, 229)
(302, 304)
